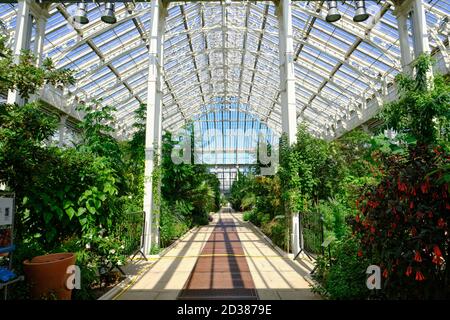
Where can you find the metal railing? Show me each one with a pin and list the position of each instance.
(131, 231)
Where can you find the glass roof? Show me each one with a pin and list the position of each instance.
(229, 134)
(229, 51)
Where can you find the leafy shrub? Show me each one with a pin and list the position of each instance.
(403, 225)
(190, 188)
(422, 111)
(201, 219)
(248, 201)
(25, 76)
(276, 231)
(263, 218)
(334, 214)
(255, 218)
(240, 189)
(345, 278)
(403, 220)
(77, 199)
(246, 216)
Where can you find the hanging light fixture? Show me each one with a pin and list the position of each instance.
(333, 13)
(81, 14)
(108, 16)
(360, 13)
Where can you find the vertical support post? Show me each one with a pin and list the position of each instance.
(62, 130)
(158, 126)
(384, 87)
(420, 32)
(22, 38)
(297, 243)
(153, 121)
(412, 10)
(287, 75)
(41, 22)
(405, 51)
(420, 35)
(287, 95)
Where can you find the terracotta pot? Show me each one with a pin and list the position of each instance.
(48, 275)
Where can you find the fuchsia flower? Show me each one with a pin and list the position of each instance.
(419, 276)
(409, 271)
(437, 251)
(417, 256)
(437, 255)
(401, 186)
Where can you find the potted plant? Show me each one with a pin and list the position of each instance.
(48, 275)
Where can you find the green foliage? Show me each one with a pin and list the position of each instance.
(246, 216)
(80, 198)
(96, 133)
(187, 192)
(275, 229)
(133, 160)
(241, 188)
(334, 213)
(320, 180)
(173, 224)
(23, 75)
(190, 184)
(345, 278)
(420, 114)
(61, 195)
(22, 132)
(357, 165)
(248, 201)
(403, 219)
(317, 167)
(253, 216)
(403, 225)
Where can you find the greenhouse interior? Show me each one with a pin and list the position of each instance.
(225, 150)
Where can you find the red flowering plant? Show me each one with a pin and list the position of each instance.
(403, 222)
(403, 225)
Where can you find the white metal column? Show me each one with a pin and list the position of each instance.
(287, 75)
(158, 109)
(41, 22)
(405, 50)
(153, 122)
(420, 32)
(62, 129)
(287, 95)
(21, 39)
(414, 12)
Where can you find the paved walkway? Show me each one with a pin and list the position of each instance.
(221, 271)
(227, 259)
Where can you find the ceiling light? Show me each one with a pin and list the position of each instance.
(333, 14)
(81, 14)
(108, 16)
(361, 13)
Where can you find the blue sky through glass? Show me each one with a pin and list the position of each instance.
(228, 133)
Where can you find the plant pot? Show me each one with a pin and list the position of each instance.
(47, 275)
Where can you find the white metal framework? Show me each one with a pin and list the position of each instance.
(277, 61)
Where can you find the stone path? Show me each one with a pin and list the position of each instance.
(227, 259)
(221, 271)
